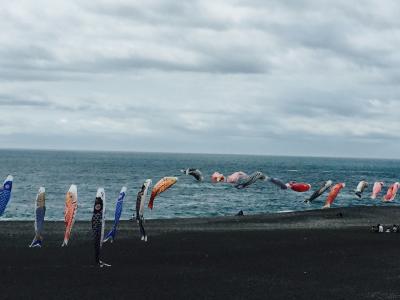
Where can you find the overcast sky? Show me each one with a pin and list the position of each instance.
(252, 77)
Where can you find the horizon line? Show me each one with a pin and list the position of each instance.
(193, 153)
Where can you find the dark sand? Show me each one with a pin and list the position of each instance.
(305, 255)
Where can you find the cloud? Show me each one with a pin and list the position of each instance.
(13, 101)
(276, 77)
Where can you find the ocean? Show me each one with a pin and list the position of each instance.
(57, 170)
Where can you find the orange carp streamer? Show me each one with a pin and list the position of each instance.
(71, 205)
(333, 194)
(160, 187)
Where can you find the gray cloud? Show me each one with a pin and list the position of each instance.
(12, 100)
(277, 77)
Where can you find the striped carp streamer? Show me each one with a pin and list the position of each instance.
(98, 222)
(161, 186)
(118, 211)
(5, 193)
(196, 173)
(320, 191)
(40, 211)
(140, 200)
(250, 180)
(71, 206)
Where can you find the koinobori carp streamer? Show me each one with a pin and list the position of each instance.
(5, 193)
(71, 206)
(118, 211)
(391, 192)
(236, 177)
(320, 191)
(98, 224)
(140, 200)
(40, 211)
(245, 182)
(161, 186)
(196, 173)
(335, 190)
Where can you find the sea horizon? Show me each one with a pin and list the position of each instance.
(195, 153)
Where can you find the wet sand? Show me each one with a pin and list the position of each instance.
(303, 255)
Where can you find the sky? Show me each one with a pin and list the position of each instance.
(314, 78)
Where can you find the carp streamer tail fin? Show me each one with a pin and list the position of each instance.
(110, 236)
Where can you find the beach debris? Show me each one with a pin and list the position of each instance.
(362, 185)
(391, 192)
(339, 215)
(335, 190)
(98, 222)
(71, 206)
(240, 213)
(140, 200)
(277, 182)
(196, 173)
(5, 193)
(377, 188)
(252, 178)
(381, 228)
(300, 187)
(161, 186)
(327, 184)
(118, 211)
(40, 211)
(217, 177)
(236, 177)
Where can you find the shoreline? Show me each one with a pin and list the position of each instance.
(338, 217)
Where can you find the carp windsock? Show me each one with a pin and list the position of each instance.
(40, 211)
(71, 206)
(320, 191)
(250, 180)
(333, 194)
(140, 200)
(98, 222)
(377, 188)
(362, 185)
(5, 193)
(196, 173)
(391, 192)
(299, 187)
(236, 177)
(277, 182)
(162, 185)
(217, 177)
(118, 211)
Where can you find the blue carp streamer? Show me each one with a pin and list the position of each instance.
(118, 211)
(5, 193)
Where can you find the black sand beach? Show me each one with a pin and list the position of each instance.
(303, 255)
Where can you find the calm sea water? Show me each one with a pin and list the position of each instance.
(57, 170)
